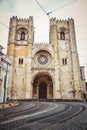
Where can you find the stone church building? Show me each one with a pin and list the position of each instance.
(43, 70)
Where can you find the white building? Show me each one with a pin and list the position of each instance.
(4, 69)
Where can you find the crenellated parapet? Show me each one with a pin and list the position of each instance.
(21, 19)
(71, 21)
(41, 43)
(18, 26)
(53, 21)
(62, 21)
(57, 26)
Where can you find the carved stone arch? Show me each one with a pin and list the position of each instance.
(22, 29)
(22, 33)
(42, 83)
(43, 49)
(62, 29)
(62, 32)
(45, 72)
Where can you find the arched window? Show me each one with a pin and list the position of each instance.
(64, 61)
(20, 61)
(22, 36)
(62, 35)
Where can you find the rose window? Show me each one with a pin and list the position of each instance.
(42, 59)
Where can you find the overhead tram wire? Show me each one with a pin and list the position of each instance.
(50, 13)
(55, 9)
(4, 25)
(47, 13)
(65, 5)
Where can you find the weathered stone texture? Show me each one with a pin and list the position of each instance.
(43, 70)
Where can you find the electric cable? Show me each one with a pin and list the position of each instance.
(55, 9)
(4, 24)
(65, 5)
(47, 13)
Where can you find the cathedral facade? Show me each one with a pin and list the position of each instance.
(43, 70)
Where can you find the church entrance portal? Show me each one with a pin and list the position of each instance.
(42, 86)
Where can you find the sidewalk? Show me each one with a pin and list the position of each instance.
(8, 104)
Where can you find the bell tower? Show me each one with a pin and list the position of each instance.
(67, 71)
(21, 30)
(20, 42)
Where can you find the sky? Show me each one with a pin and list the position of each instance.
(61, 9)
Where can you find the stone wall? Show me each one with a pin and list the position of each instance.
(62, 64)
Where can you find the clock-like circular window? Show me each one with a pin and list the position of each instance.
(42, 58)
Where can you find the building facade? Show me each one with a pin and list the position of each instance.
(43, 70)
(83, 81)
(4, 69)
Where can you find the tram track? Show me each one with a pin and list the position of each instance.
(45, 123)
(16, 122)
(31, 122)
(30, 110)
(66, 118)
(42, 120)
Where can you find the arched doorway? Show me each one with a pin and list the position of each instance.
(42, 90)
(42, 86)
